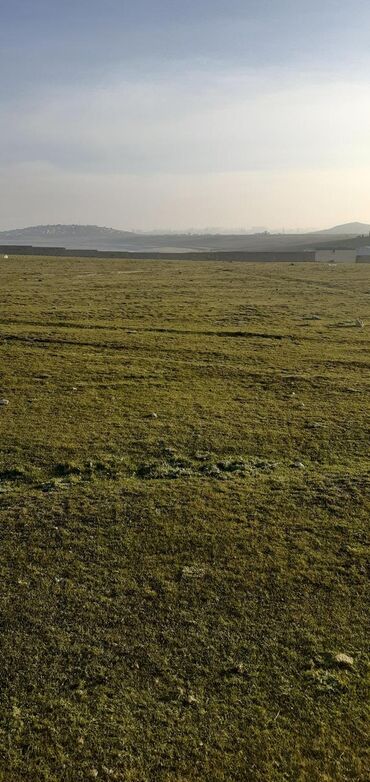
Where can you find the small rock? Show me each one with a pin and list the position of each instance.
(298, 465)
(345, 660)
(4, 401)
(191, 699)
(153, 415)
(93, 773)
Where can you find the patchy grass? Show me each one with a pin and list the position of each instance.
(184, 500)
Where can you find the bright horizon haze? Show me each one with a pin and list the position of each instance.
(163, 115)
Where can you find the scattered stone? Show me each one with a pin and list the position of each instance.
(153, 415)
(298, 465)
(4, 401)
(93, 773)
(74, 388)
(344, 660)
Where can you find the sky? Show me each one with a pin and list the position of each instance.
(161, 114)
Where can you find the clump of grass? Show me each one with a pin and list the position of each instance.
(162, 470)
(17, 474)
(64, 469)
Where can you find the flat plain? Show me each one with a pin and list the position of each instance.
(184, 500)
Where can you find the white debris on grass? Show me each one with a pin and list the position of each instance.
(193, 571)
(344, 659)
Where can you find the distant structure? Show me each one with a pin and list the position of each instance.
(336, 256)
(363, 254)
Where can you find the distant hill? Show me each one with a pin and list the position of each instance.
(353, 229)
(93, 237)
(60, 234)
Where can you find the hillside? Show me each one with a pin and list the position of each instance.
(353, 229)
(60, 234)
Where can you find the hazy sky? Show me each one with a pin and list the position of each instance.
(174, 114)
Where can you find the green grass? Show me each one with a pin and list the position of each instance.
(174, 589)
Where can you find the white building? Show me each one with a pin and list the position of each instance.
(336, 256)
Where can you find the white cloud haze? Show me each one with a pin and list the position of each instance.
(191, 144)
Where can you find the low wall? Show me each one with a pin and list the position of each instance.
(251, 256)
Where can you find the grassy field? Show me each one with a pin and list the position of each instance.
(184, 494)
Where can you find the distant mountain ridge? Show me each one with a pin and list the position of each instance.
(60, 231)
(351, 229)
(94, 237)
